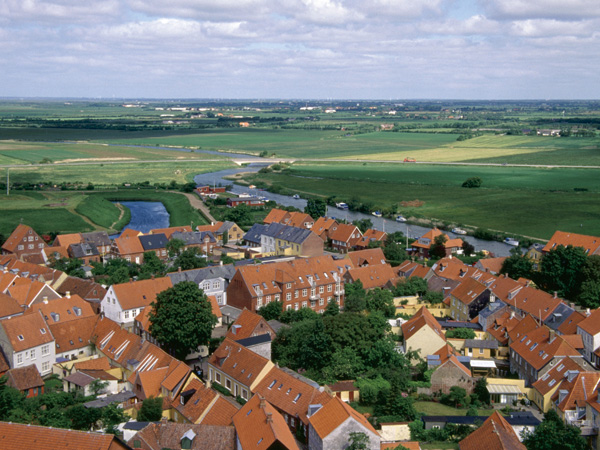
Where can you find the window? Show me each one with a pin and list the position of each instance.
(126, 314)
(288, 308)
(304, 292)
(288, 286)
(296, 294)
(19, 358)
(218, 377)
(244, 394)
(45, 366)
(259, 302)
(329, 286)
(304, 304)
(32, 354)
(321, 289)
(321, 301)
(20, 247)
(31, 246)
(137, 443)
(481, 351)
(217, 285)
(228, 383)
(296, 307)
(288, 296)
(45, 350)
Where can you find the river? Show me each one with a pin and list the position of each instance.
(146, 216)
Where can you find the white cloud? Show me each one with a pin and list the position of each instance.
(546, 9)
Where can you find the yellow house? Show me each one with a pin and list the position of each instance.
(423, 334)
(544, 388)
(534, 254)
(198, 404)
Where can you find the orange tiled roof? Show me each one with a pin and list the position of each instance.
(6, 280)
(136, 294)
(238, 362)
(569, 326)
(578, 390)
(495, 434)
(555, 376)
(169, 231)
(24, 378)
(276, 216)
(370, 256)
(9, 306)
(178, 371)
(56, 252)
(64, 240)
(590, 243)
(467, 291)
(197, 403)
(537, 348)
(323, 225)
(15, 436)
(421, 318)
(522, 327)
(63, 309)
(300, 220)
(27, 331)
(289, 393)
(249, 324)
(373, 276)
(446, 352)
(259, 426)
(16, 238)
(216, 310)
(151, 381)
(93, 364)
(453, 269)
(331, 415)
(492, 264)
(128, 243)
(345, 233)
(220, 413)
(591, 324)
(574, 340)
(73, 334)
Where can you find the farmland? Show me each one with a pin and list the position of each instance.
(79, 145)
(525, 201)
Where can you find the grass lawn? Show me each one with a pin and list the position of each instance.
(45, 220)
(438, 409)
(524, 201)
(99, 210)
(439, 445)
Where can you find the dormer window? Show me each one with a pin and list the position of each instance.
(43, 330)
(20, 337)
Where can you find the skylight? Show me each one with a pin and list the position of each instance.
(272, 384)
(297, 398)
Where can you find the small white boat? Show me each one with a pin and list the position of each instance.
(458, 231)
(511, 241)
(296, 196)
(341, 206)
(376, 213)
(400, 219)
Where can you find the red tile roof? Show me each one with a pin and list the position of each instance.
(249, 324)
(345, 233)
(24, 378)
(578, 390)
(555, 376)
(591, 324)
(238, 362)
(259, 426)
(169, 231)
(333, 414)
(63, 309)
(286, 391)
(421, 318)
(569, 326)
(139, 294)
(74, 334)
(493, 265)
(15, 436)
(468, 290)
(27, 331)
(9, 306)
(538, 348)
(371, 256)
(495, 434)
(590, 243)
(373, 276)
(17, 237)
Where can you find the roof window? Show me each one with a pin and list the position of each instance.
(272, 384)
(43, 330)
(297, 398)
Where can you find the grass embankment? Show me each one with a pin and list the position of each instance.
(524, 201)
(73, 212)
(438, 409)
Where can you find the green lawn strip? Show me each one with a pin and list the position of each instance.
(43, 220)
(439, 445)
(438, 409)
(99, 210)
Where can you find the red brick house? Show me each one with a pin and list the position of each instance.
(421, 246)
(23, 241)
(344, 237)
(26, 379)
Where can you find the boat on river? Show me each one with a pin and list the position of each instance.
(511, 241)
(458, 231)
(341, 206)
(401, 219)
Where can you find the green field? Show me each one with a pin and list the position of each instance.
(524, 201)
(70, 212)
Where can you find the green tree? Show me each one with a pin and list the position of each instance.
(316, 207)
(152, 266)
(517, 265)
(332, 308)
(472, 411)
(437, 249)
(181, 319)
(554, 434)
(381, 300)
(481, 391)
(174, 247)
(10, 399)
(241, 214)
(83, 418)
(461, 333)
(473, 182)
(468, 248)
(363, 224)
(345, 364)
(112, 416)
(456, 397)
(189, 259)
(71, 266)
(97, 386)
(412, 286)
(589, 283)
(394, 252)
(271, 311)
(151, 410)
(356, 297)
(559, 270)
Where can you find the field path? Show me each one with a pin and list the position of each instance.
(199, 204)
(118, 205)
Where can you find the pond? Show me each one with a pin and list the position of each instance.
(146, 216)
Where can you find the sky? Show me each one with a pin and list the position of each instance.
(301, 49)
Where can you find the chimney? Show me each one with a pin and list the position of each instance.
(179, 269)
(68, 294)
(220, 263)
(552, 336)
(587, 312)
(555, 294)
(269, 417)
(505, 275)
(163, 420)
(262, 403)
(45, 300)
(152, 277)
(131, 280)
(572, 305)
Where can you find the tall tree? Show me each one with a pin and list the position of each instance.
(181, 319)
(517, 265)
(381, 300)
(316, 207)
(151, 410)
(554, 434)
(152, 266)
(174, 247)
(271, 311)
(363, 224)
(189, 259)
(559, 270)
(437, 248)
(355, 299)
(589, 283)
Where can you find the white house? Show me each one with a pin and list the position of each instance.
(28, 340)
(589, 329)
(124, 301)
(212, 280)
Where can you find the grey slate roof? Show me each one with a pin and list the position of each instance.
(457, 324)
(288, 233)
(253, 234)
(105, 401)
(491, 307)
(153, 241)
(480, 343)
(558, 316)
(194, 237)
(207, 273)
(97, 238)
(255, 340)
(84, 250)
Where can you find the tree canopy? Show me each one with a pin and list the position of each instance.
(517, 265)
(554, 434)
(560, 269)
(316, 207)
(181, 319)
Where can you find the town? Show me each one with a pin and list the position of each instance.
(299, 332)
